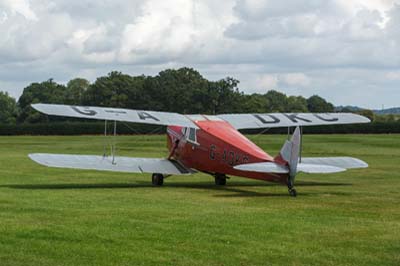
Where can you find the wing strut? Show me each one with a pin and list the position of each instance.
(301, 143)
(113, 149)
(105, 139)
(113, 144)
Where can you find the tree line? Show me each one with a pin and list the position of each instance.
(182, 90)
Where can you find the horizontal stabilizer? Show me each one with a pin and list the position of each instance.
(121, 164)
(311, 165)
(318, 168)
(270, 167)
(264, 167)
(341, 162)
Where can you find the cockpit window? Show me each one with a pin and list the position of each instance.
(192, 134)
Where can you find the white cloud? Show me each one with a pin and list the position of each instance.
(267, 82)
(296, 79)
(382, 6)
(291, 83)
(393, 75)
(3, 17)
(165, 28)
(327, 47)
(21, 7)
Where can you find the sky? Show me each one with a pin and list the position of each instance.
(347, 51)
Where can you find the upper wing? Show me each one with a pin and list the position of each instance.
(247, 121)
(116, 114)
(120, 164)
(239, 121)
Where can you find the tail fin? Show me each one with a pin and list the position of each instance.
(290, 151)
(289, 155)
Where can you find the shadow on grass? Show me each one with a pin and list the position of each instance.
(232, 187)
(143, 184)
(238, 193)
(320, 184)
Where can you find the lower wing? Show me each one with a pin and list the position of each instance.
(117, 164)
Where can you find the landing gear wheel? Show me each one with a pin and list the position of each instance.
(292, 192)
(157, 179)
(220, 180)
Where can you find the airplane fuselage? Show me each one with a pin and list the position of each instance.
(215, 148)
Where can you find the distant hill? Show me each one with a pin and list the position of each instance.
(388, 111)
(393, 111)
(349, 108)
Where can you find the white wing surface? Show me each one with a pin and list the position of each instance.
(115, 114)
(239, 121)
(264, 167)
(341, 162)
(322, 165)
(121, 164)
(248, 121)
(318, 168)
(270, 167)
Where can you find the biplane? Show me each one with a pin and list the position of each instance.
(210, 144)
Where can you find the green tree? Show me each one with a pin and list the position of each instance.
(114, 90)
(75, 91)
(8, 109)
(367, 113)
(225, 96)
(182, 90)
(278, 101)
(45, 92)
(317, 104)
(254, 103)
(296, 104)
(346, 110)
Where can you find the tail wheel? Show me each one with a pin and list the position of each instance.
(293, 192)
(290, 184)
(220, 180)
(157, 179)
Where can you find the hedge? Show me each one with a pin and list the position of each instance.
(371, 128)
(97, 128)
(78, 128)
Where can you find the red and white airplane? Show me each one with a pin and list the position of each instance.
(209, 143)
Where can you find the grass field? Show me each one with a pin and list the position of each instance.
(69, 217)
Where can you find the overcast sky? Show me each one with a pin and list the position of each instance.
(347, 51)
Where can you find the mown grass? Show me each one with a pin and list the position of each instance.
(70, 217)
